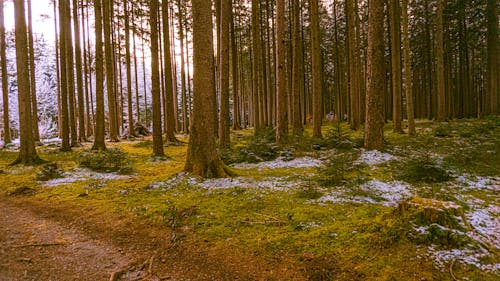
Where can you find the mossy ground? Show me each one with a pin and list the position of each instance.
(327, 241)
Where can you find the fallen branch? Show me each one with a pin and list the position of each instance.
(40, 245)
(451, 270)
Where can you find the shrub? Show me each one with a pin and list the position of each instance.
(48, 172)
(422, 169)
(442, 131)
(110, 160)
(338, 170)
(336, 138)
(261, 148)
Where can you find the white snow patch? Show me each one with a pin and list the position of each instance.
(487, 223)
(279, 163)
(465, 256)
(83, 175)
(478, 182)
(374, 157)
(378, 192)
(269, 183)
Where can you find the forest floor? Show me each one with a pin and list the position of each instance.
(427, 208)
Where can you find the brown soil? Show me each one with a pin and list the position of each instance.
(40, 241)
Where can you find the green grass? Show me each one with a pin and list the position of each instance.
(361, 241)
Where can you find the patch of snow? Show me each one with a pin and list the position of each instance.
(374, 157)
(279, 163)
(378, 192)
(470, 182)
(486, 223)
(269, 183)
(465, 256)
(83, 175)
(51, 141)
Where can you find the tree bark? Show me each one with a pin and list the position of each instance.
(99, 143)
(317, 76)
(395, 18)
(493, 62)
(410, 111)
(32, 73)
(354, 102)
(297, 70)
(79, 75)
(202, 158)
(169, 88)
(5, 79)
(27, 150)
(281, 85)
(224, 137)
(374, 127)
(155, 81)
(441, 103)
(112, 112)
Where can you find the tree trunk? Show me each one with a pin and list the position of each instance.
(99, 143)
(169, 88)
(281, 85)
(395, 18)
(354, 102)
(155, 81)
(32, 73)
(79, 75)
(408, 72)
(27, 151)
(202, 158)
(374, 127)
(5, 79)
(87, 73)
(297, 70)
(224, 137)
(64, 78)
(493, 62)
(110, 87)
(235, 72)
(317, 76)
(441, 104)
(185, 118)
(128, 70)
(256, 65)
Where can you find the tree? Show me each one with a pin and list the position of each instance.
(5, 78)
(202, 158)
(27, 150)
(32, 71)
(374, 127)
(155, 80)
(317, 76)
(281, 85)
(185, 118)
(235, 72)
(63, 60)
(441, 105)
(224, 138)
(256, 66)
(297, 70)
(353, 51)
(108, 49)
(169, 88)
(408, 73)
(79, 75)
(395, 18)
(99, 143)
(493, 68)
(128, 71)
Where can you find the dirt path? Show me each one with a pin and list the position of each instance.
(35, 248)
(39, 242)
